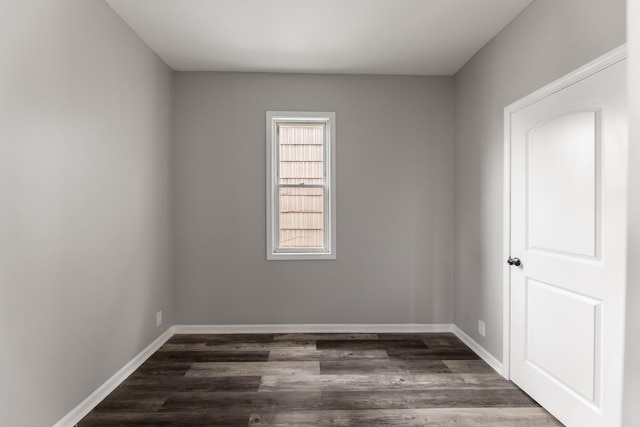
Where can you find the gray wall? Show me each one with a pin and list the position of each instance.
(631, 416)
(547, 40)
(84, 216)
(394, 201)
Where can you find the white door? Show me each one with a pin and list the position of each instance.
(568, 229)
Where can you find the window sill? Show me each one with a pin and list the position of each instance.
(308, 256)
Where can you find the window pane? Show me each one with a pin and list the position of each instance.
(301, 153)
(301, 218)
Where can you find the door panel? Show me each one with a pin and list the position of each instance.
(566, 324)
(561, 177)
(568, 227)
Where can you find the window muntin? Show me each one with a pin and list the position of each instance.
(300, 202)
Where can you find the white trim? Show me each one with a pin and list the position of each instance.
(80, 411)
(315, 328)
(329, 120)
(506, 247)
(608, 59)
(479, 350)
(616, 55)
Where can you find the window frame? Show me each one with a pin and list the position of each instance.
(274, 118)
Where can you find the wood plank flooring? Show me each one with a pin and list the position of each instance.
(316, 380)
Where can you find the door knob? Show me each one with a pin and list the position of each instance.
(514, 261)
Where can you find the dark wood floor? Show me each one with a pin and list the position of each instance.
(317, 380)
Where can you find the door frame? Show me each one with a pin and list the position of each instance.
(614, 56)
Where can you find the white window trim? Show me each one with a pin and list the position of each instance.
(329, 119)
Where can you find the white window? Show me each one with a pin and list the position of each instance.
(301, 209)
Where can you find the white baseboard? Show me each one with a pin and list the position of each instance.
(314, 328)
(80, 411)
(479, 350)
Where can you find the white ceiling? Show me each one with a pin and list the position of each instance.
(424, 37)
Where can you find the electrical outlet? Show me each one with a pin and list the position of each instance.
(159, 318)
(481, 328)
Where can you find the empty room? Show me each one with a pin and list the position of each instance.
(319, 213)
